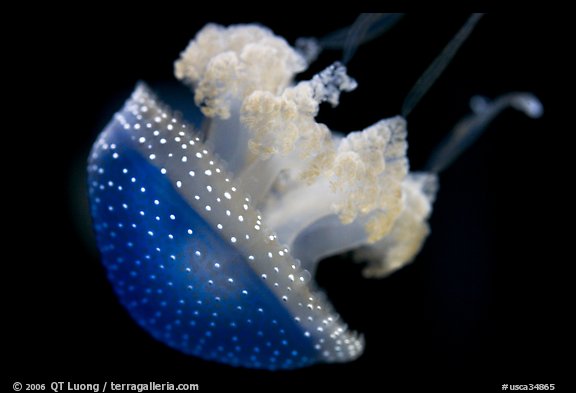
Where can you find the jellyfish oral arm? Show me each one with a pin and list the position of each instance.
(318, 192)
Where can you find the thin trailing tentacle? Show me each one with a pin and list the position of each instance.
(376, 25)
(365, 28)
(471, 127)
(435, 69)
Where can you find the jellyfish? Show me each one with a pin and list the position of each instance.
(211, 233)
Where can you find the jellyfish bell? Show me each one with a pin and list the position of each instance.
(192, 259)
(211, 235)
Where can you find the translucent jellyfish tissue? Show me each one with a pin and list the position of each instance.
(211, 235)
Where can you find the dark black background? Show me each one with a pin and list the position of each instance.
(482, 305)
